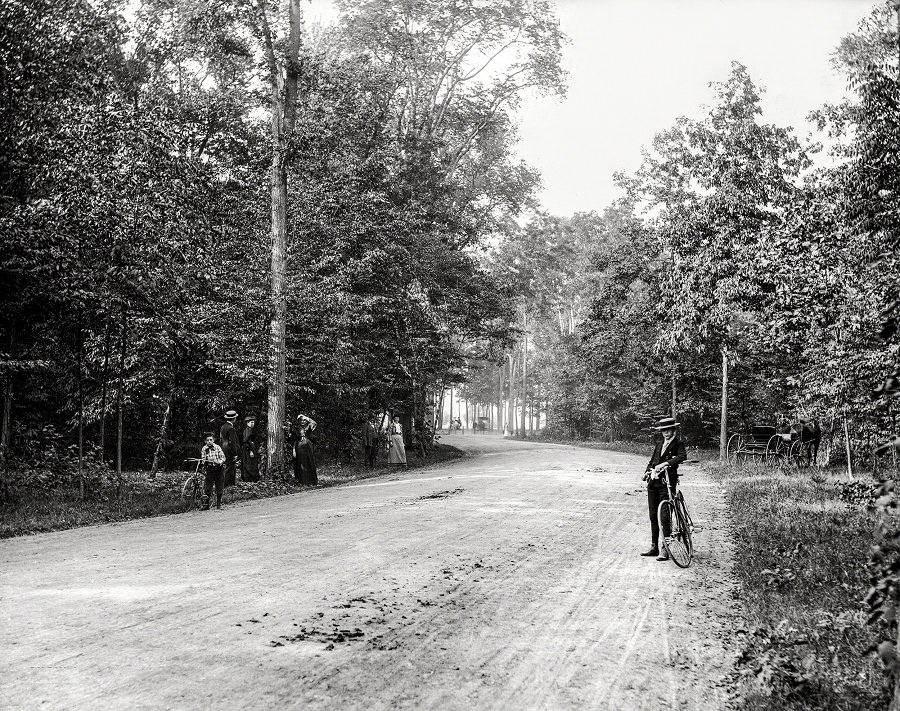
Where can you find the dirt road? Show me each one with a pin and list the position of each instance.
(508, 580)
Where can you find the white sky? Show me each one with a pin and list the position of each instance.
(636, 65)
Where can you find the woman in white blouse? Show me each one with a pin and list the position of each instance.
(396, 448)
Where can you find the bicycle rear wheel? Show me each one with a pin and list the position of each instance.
(190, 494)
(678, 542)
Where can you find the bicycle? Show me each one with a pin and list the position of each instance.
(678, 543)
(191, 490)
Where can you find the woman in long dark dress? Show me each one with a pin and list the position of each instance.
(249, 451)
(304, 453)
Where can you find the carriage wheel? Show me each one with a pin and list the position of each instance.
(796, 454)
(774, 449)
(735, 444)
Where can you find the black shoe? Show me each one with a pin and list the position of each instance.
(652, 551)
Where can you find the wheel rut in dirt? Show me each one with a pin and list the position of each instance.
(508, 580)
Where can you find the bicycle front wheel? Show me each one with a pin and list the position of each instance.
(686, 527)
(678, 541)
(682, 507)
(190, 494)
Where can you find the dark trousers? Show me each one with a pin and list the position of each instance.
(654, 496)
(371, 451)
(214, 475)
(229, 474)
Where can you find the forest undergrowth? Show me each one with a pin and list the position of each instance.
(39, 510)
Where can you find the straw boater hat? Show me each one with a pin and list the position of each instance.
(231, 415)
(666, 423)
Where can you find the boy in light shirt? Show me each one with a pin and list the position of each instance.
(213, 461)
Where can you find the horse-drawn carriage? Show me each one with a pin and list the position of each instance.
(798, 446)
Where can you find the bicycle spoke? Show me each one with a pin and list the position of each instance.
(681, 549)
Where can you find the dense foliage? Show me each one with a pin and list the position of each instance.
(739, 258)
(135, 208)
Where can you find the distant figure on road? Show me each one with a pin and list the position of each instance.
(249, 450)
(370, 441)
(304, 452)
(668, 453)
(396, 448)
(231, 445)
(213, 459)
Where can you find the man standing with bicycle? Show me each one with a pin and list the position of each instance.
(212, 459)
(668, 453)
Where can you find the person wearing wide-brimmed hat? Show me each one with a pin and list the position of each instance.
(668, 454)
(231, 445)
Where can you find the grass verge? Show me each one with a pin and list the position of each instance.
(141, 497)
(802, 545)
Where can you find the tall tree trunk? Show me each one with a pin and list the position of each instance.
(163, 429)
(6, 432)
(451, 408)
(723, 421)
(418, 420)
(120, 400)
(524, 373)
(107, 349)
(439, 415)
(531, 414)
(283, 87)
(511, 413)
(499, 416)
(847, 445)
(277, 353)
(80, 380)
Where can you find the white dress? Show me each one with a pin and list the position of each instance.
(397, 451)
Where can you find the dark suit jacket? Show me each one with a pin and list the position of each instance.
(673, 455)
(228, 440)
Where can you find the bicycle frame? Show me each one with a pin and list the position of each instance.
(680, 525)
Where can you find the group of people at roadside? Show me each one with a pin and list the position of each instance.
(242, 451)
(221, 460)
(393, 442)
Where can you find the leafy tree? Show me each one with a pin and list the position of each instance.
(720, 186)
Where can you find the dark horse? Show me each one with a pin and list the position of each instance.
(809, 436)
